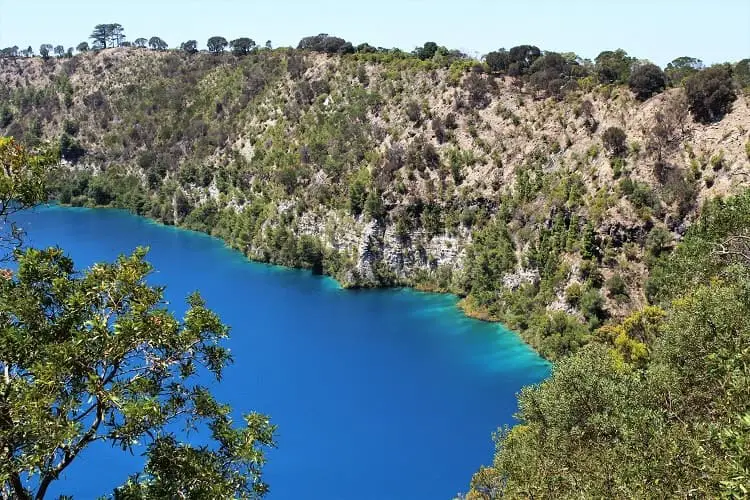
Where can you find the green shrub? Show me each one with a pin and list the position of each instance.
(617, 289)
(615, 141)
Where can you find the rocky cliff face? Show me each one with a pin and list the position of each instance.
(385, 171)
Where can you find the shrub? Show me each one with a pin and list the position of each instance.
(70, 149)
(357, 197)
(573, 294)
(615, 141)
(439, 129)
(717, 161)
(478, 89)
(6, 116)
(70, 127)
(710, 94)
(613, 66)
(646, 81)
(657, 241)
(617, 289)
(413, 111)
(592, 307)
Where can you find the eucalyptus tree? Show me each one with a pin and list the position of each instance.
(191, 46)
(157, 43)
(44, 50)
(242, 46)
(217, 44)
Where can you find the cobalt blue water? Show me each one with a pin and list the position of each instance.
(384, 394)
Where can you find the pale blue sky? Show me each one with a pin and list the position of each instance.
(659, 30)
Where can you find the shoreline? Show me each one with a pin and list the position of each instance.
(462, 303)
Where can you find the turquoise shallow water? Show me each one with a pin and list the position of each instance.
(383, 394)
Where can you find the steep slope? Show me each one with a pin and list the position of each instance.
(383, 170)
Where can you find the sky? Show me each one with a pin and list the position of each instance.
(658, 30)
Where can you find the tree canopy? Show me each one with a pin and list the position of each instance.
(44, 50)
(157, 43)
(131, 375)
(659, 406)
(326, 43)
(23, 179)
(614, 66)
(95, 356)
(217, 44)
(681, 68)
(242, 46)
(108, 35)
(647, 80)
(710, 93)
(191, 46)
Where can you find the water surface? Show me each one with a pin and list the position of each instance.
(383, 394)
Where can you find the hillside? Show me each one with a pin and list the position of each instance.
(382, 170)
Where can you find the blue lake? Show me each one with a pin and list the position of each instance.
(384, 394)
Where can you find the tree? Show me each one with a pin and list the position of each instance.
(217, 44)
(116, 34)
(741, 73)
(646, 81)
(108, 35)
(100, 35)
(242, 46)
(70, 149)
(327, 44)
(613, 67)
(44, 50)
(365, 48)
(357, 197)
(191, 46)
(658, 412)
(498, 61)
(555, 74)
(59, 51)
(710, 93)
(130, 371)
(82, 47)
(22, 186)
(427, 51)
(668, 125)
(521, 57)
(269, 46)
(615, 141)
(140, 43)
(157, 43)
(374, 204)
(131, 377)
(681, 68)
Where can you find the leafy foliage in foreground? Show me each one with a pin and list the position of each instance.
(96, 357)
(22, 185)
(659, 406)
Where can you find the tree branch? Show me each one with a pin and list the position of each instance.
(71, 453)
(18, 489)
